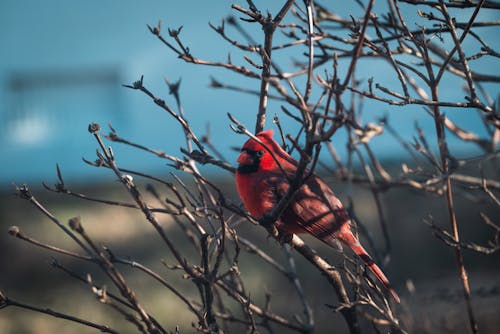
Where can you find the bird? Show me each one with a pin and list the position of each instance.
(314, 208)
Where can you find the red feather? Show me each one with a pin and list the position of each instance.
(314, 208)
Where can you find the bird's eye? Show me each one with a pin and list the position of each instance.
(259, 153)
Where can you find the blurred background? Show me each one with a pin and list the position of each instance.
(62, 66)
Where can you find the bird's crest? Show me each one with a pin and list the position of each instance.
(267, 139)
(266, 134)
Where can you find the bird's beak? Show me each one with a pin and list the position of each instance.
(245, 159)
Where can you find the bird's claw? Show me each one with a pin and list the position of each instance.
(284, 237)
(266, 221)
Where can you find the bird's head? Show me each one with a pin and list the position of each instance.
(255, 157)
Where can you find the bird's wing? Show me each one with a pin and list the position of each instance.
(315, 209)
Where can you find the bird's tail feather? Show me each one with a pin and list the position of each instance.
(346, 237)
(361, 252)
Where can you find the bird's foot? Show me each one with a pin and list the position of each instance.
(267, 221)
(284, 237)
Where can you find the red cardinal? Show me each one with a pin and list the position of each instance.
(314, 208)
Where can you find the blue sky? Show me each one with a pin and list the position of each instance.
(45, 124)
